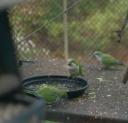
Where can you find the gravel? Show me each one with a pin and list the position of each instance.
(107, 96)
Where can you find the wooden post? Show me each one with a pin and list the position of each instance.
(65, 23)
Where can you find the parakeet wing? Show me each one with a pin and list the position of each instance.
(81, 69)
(109, 60)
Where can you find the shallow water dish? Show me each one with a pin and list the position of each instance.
(75, 86)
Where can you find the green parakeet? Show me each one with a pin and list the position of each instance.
(50, 93)
(106, 59)
(75, 69)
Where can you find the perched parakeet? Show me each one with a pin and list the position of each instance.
(50, 93)
(106, 59)
(75, 69)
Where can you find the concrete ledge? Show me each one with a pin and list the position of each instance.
(66, 117)
(106, 100)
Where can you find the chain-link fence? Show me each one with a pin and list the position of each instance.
(76, 28)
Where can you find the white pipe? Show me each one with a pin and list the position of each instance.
(65, 21)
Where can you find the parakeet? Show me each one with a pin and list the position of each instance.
(125, 78)
(50, 93)
(106, 59)
(75, 69)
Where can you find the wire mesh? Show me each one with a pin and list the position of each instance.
(92, 25)
(39, 27)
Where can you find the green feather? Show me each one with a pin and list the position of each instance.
(81, 70)
(109, 60)
(106, 59)
(50, 93)
(77, 68)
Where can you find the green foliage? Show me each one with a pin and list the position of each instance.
(91, 23)
(55, 29)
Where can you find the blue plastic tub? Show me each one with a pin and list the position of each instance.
(73, 93)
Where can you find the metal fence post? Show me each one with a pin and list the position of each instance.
(65, 25)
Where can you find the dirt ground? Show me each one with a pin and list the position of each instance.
(106, 96)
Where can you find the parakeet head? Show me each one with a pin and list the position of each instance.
(98, 54)
(70, 61)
